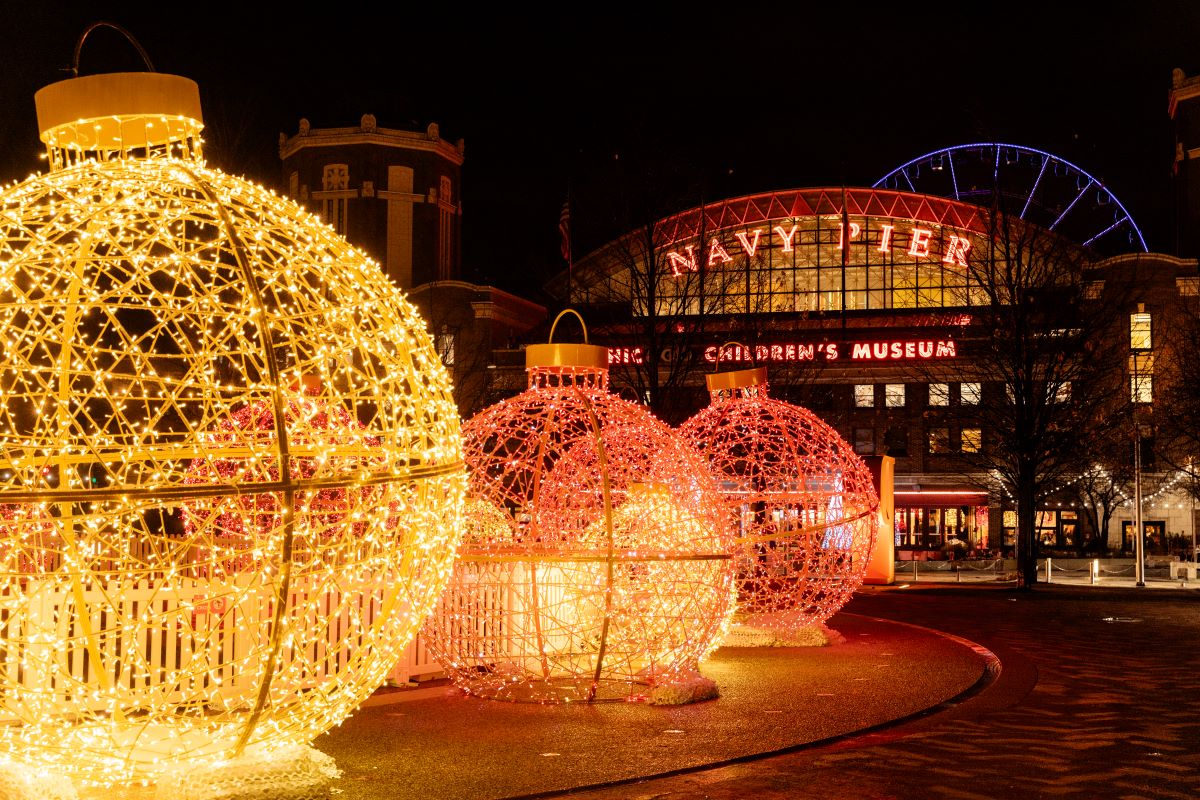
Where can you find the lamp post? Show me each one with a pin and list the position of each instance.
(1139, 552)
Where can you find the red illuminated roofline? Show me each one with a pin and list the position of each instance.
(740, 212)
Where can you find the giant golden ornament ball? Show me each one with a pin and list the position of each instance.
(230, 464)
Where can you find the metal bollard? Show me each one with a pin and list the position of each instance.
(1095, 571)
(1048, 560)
(915, 571)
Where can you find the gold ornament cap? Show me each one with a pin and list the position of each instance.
(590, 356)
(737, 379)
(118, 112)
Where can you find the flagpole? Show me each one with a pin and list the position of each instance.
(564, 230)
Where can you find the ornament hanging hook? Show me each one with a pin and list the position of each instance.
(563, 313)
(721, 349)
(128, 36)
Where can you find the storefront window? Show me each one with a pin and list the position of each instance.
(972, 440)
(864, 441)
(968, 393)
(939, 440)
(939, 394)
(894, 395)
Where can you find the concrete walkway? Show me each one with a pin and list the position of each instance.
(1098, 695)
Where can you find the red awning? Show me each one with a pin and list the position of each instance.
(946, 499)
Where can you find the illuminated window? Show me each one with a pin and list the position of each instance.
(1188, 287)
(969, 393)
(1141, 378)
(939, 440)
(864, 395)
(972, 440)
(864, 441)
(1093, 290)
(939, 394)
(894, 395)
(1139, 331)
(1062, 394)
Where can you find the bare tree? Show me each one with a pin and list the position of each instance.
(1102, 489)
(1044, 334)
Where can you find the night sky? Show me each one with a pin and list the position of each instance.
(637, 111)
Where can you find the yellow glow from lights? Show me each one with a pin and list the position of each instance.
(596, 563)
(146, 303)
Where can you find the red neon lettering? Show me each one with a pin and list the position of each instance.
(681, 264)
(855, 230)
(945, 349)
(910, 349)
(805, 352)
(920, 242)
(746, 245)
(880, 349)
(861, 350)
(897, 349)
(956, 251)
(760, 352)
(925, 349)
(776, 352)
(717, 251)
(710, 353)
(787, 237)
(831, 351)
(885, 238)
(790, 352)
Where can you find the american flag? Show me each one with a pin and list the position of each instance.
(564, 231)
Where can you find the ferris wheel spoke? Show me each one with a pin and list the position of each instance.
(1078, 197)
(953, 176)
(1036, 184)
(1109, 229)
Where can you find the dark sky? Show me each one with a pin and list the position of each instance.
(619, 103)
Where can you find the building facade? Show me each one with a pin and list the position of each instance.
(861, 305)
(394, 193)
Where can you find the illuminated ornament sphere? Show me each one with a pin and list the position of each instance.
(804, 504)
(595, 564)
(231, 477)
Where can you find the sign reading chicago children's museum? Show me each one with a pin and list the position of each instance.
(886, 350)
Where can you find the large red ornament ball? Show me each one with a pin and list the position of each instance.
(595, 564)
(804, 503)
(324, 439)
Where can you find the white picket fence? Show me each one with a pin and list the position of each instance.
(179, 642)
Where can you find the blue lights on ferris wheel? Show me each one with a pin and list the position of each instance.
(1052, 168)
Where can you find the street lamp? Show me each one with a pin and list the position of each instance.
(1139, 552)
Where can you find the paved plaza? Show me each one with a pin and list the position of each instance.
(934, 690)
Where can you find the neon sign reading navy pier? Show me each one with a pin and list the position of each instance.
(915, 240)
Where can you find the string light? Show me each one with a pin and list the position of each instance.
(805, 506)
(230, 465)
(595, 565)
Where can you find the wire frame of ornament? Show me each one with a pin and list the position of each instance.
(230, 467)
(804, 504)
(595, 562)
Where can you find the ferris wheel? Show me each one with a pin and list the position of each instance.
(1040, 187)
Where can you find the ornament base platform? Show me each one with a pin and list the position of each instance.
(440, 743)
